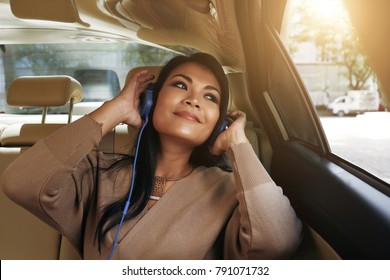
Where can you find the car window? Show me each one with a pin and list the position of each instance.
(336, 73)
(100, 68)
(98, 85)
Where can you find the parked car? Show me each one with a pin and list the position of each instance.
(345, 208)
(355, 102)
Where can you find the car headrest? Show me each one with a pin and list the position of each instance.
(155, 70)
(43, 91)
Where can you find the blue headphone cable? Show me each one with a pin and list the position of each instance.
(131, 188)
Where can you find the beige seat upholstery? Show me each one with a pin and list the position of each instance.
(21, 135)
(23, 236)
(2, 128)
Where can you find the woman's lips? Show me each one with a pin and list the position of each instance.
(188, 116)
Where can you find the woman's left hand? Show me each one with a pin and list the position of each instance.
(234, 135)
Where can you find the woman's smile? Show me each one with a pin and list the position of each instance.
(188, 116)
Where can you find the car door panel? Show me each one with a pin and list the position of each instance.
(349, 213)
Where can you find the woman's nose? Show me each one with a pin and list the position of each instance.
(192, 102)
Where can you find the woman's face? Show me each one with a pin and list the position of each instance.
(187, 107)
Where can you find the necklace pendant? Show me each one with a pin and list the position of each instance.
(159, 186)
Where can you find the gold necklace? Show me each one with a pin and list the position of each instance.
(159, 185)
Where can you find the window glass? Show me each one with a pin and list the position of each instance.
(100, 68)
(342, 86)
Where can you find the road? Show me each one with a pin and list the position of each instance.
(364, 140)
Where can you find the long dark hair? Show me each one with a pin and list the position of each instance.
(149, 148)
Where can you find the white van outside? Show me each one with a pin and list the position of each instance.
(355, 102)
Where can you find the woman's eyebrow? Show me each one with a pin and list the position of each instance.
(213, 88)
(188, 79)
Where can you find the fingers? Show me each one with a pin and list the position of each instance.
(136, 85)
(142, 78)
(237, 114)
(138, 82)
(234, 135)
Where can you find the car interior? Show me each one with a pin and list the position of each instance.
(345, 210)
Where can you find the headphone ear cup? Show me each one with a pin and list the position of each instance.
(223, 126)
(146, 102)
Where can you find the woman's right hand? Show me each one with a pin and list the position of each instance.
(128, 99)
(124, 108)
(234, 135)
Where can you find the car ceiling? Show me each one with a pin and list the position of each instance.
(206, 25)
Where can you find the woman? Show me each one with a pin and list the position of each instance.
(183, 204)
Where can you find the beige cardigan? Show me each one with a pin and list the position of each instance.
(208, 215)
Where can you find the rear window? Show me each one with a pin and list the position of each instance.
(100, 68)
